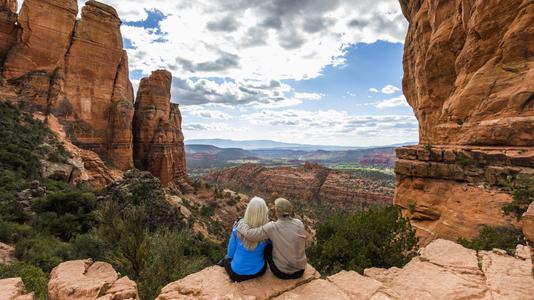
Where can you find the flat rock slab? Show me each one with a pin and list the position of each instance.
(214, 283)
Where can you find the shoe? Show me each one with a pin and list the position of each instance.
(220, 263)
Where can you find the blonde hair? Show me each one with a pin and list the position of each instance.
(256, 215)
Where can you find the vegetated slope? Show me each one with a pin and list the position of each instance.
(316, 190)
(130, 224)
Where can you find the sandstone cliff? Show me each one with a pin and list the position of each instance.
(77, 71)
(467, 71)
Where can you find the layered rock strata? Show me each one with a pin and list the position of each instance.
(467, 70)
(444, 270)
(308, 184)
(453, 192)
(77, 71)
(83, 279)
(158, 137)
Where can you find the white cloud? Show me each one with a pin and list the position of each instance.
(393, 102)
(390, 89)
(373, 90)
(208, 127)
(254, 39)
(200, 111)
(255, 93)
(308, 96)
(333, 122)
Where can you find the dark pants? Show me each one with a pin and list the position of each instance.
(237, 277)
(275, 270)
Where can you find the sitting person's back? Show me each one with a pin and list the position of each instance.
(286, 257)
(245, 261)
(245, 258)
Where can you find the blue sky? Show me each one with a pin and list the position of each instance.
(306, 71)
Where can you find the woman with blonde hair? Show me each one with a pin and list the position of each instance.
(245, 259)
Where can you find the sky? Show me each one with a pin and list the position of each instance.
(300, 71)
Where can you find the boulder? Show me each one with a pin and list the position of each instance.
(6, 254)
(83, 279)
(13, 289)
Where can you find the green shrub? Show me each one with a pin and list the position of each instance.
(172, 256)
(522, 191)
(427, 147)
(22, 142)
(65, 214)
(379, 237)
(505, 238)
(35, 280)
(43, 251)
(11, 232)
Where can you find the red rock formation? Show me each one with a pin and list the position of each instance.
(42, 41)
(158, 137)
(78, 72)
(467, 71)
(100, 92)
(8, 30)
(468, 67)
(305, 184)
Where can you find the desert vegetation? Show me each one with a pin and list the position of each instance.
(378, 237)
(129, 224)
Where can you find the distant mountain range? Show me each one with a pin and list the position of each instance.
(268, 144)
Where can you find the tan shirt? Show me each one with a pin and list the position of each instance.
(288, 236)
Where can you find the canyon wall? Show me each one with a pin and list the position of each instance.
(308, 185)
(468, 72)
(77, 70)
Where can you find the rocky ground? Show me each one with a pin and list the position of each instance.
(443, 270)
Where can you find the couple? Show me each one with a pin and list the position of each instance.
(255, 243)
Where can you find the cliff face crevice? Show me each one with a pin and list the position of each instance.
(467, 68)
(77, 70)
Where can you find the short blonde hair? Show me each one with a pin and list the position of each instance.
(256, 215)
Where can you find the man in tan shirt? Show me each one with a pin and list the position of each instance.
(286, 256)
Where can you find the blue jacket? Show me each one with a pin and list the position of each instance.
(245, 261)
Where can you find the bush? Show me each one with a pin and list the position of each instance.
(66, 214)
(379, 237)
(173, 255)
(35, 280)
(505, 238)
(43, 251)
(11, 232)
(522, 191)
